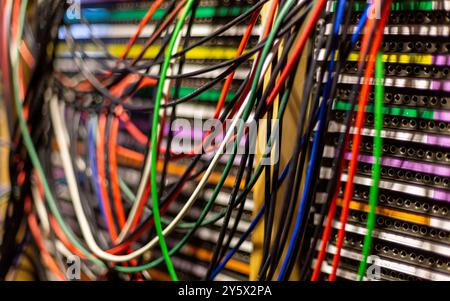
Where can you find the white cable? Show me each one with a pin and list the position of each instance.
(40, 209)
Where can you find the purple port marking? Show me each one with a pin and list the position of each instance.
(441, 195)
(429, 168)
(441, 60)
(442, 115)
(436, 194)
(443, 85)
(438, 140)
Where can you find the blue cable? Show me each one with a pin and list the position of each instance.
(339, 17)
(315, 148)
(93, 162)
(361, 24)
(238, 245)
(307, 186)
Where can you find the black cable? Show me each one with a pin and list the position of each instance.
(226, 219)
(332, 183)
(288, 204)
(320, 136)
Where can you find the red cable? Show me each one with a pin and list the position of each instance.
(159, 30)
(151, 40)
(112, 156)
(226, 87)
(230, 77)
(136, 133)
(63, 238)
(5, 53)
(101, 175)
(14, 25)
(363, 98)
(132, 129)
(36, 232)
(141, 26)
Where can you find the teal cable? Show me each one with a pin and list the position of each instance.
(154, 140)
(377, 152)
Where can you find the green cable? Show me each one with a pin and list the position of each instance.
(48, 194)
(377, 146)
(32, 150)
(254, 178)
(154, 139)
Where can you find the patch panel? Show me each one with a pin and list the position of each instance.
(414, 190)
(392, 148)
(406, 82)
(405, 174)
(421, 5)
(404, 98)
(391, 269)
(400, 70)
(399, 200)
(397, 238)
(413, 161)
(406, 124)
(403, 227)
(401, 254)
(405, 136)
(408, 30)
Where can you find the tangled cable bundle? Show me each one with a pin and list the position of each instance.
(94, 165)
